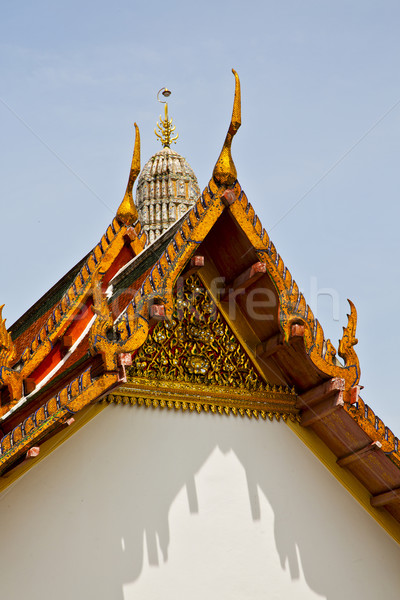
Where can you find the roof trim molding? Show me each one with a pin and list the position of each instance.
(81, 392)
(95, 267)
(293, 307)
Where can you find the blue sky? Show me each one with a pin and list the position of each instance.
(317, 153)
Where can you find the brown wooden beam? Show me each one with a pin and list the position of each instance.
(244, 280)
(386, 497)
(66, 342)
(321, 410)
(250, 275)
(360, 454)
(320, 392)
(29, 386)
(269, 346)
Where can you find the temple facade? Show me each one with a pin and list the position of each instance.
(173, 420)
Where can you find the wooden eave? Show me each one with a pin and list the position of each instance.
(361, 442)
(229, 254)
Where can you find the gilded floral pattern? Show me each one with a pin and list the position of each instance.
(196, 346)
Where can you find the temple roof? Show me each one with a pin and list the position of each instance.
(77, 345)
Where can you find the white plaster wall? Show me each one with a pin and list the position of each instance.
(145, 504)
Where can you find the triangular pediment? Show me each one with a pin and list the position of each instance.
(195, 361)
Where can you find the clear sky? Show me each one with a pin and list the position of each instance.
(317, 153)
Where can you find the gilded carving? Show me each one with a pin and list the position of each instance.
(97, 264)
(195, 346)
(79, 393)
(292, 305)
(98, 341)
(225, 171)
(70, 304)
(221, 409)
(8, 376)
(127, 212)
(375, 428)
(126, 335)
(7, 349)
(191, 361)
(349, 340)
(166, 130)
(196, 355)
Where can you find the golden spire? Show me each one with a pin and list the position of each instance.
(225, 171)
(127, 212)
(165, 127)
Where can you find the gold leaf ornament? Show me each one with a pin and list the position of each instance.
(7, 348)
(127, 212)
(225, 171)
(199, 347)
(8, 377)
(166, 130)
(349, 340)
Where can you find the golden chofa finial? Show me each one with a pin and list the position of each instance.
(127, 212)
(165, 127)
(225, 171)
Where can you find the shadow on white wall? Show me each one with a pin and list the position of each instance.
(90, 518)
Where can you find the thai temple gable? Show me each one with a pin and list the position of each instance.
(194, 361)
(186, 310)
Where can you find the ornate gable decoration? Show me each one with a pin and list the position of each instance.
(195, 361)
(196, 346)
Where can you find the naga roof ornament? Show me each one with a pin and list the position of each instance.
(7, 350)
(349, 340)
(127, 212)
(8, 377)
(225, 171)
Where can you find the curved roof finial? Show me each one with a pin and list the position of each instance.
(127, 212)
(225, 171)
(165, 127)
(7, 348)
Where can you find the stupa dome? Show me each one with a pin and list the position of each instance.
(167, 187)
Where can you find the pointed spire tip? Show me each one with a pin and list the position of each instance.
(127, 212)
(225, 171)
